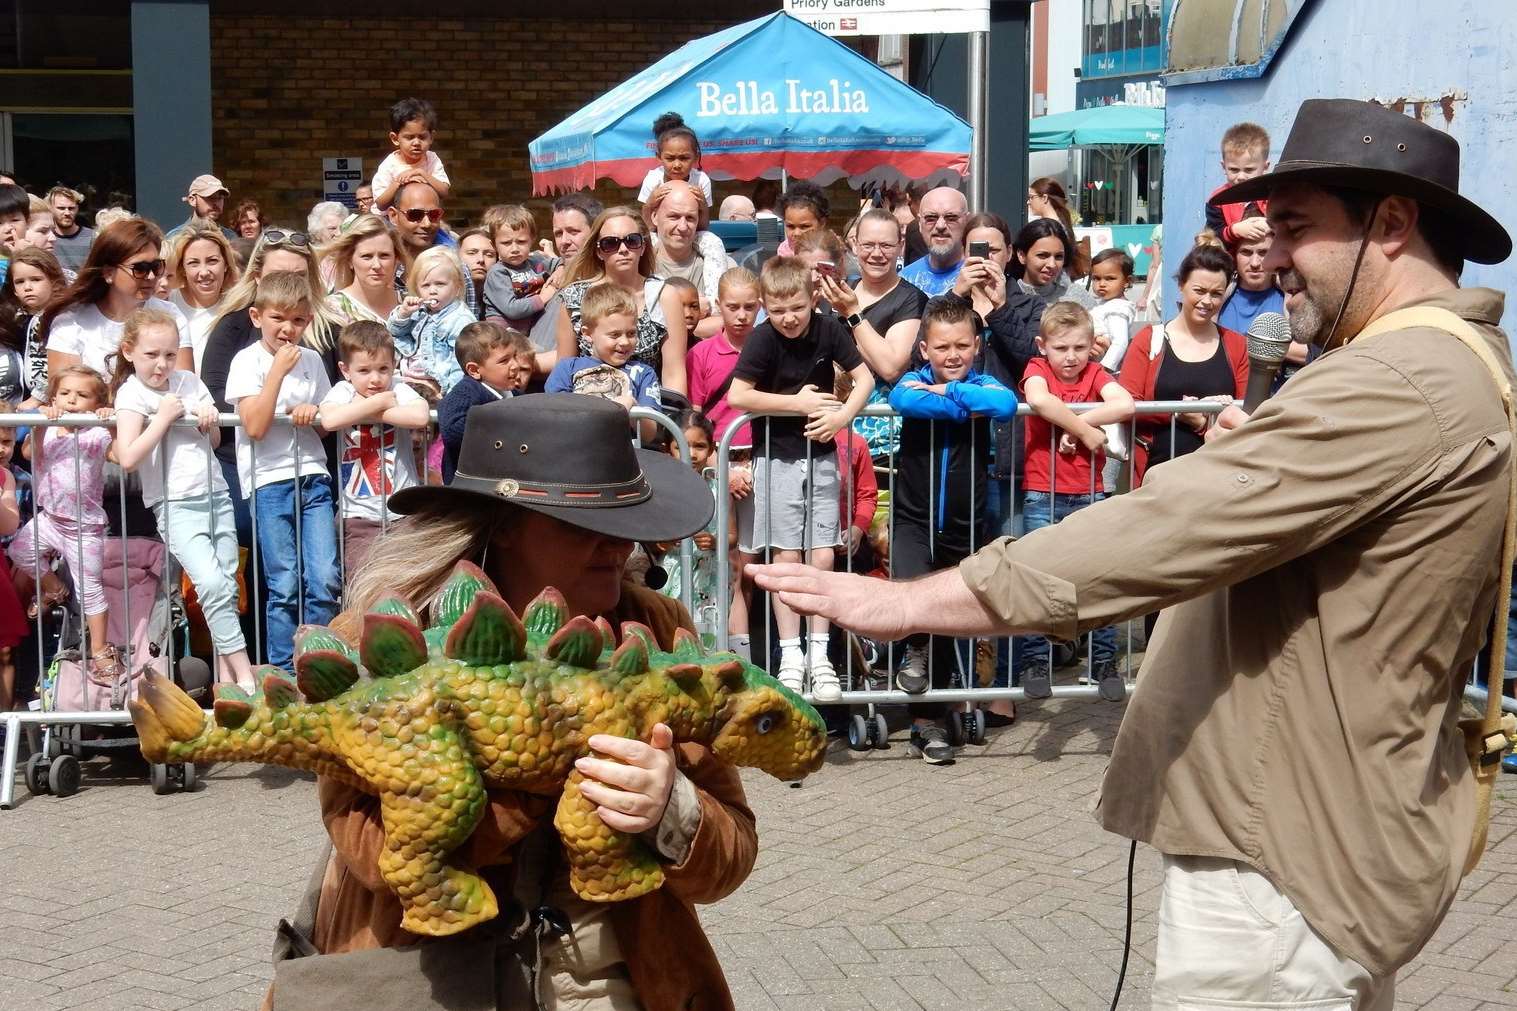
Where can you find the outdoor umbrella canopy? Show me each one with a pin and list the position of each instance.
(768, 96)
(1099, 126)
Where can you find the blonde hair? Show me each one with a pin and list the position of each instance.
(283, 289)
(821, 240)
(586, 264)
(179, 244)
(64, 191)
(416, 556)
(736, 277)
(1246, 138)
(321, 335)
(1063, 317)
(603, 300)
(36, 205)
(432, 259)
(785, 277)
(339, 252)
(509, 216)
(131, 332)
(109, 216)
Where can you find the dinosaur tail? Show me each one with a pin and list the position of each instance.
(164, 715)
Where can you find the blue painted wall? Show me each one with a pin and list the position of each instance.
(1384, 50)
(171, 102)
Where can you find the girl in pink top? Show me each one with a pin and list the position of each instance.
(68, 475)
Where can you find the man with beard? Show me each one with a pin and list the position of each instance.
(1328, 568)
(71, 237)
(944, 212)
(207, 200)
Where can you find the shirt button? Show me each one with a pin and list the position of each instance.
(1243, 479)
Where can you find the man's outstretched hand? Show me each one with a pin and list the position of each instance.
(871, 607)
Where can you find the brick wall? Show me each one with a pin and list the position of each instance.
(290, 91)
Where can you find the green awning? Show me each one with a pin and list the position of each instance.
(1117, 124)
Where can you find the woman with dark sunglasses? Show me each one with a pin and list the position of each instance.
(618, 251)
(83, 325)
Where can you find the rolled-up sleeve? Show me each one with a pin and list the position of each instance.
(1343, 441)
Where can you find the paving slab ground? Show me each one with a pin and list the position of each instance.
(881, 884)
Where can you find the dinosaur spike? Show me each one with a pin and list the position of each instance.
(547, 613)
(731, 675)
(607, 633)
(325, 666)
(577, 644)
(630, 658)
(643, 632)
(177, 713)
(232, 706)
(278, 687)
(458, 593)
(394, 603)
(686, 675)
(687, 646)
(391, 645)
(487, 634)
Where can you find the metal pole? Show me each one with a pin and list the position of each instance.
(979, 51)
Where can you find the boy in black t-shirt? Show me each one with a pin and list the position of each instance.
(786, 368)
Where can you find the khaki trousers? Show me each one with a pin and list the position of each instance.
(1229, 939)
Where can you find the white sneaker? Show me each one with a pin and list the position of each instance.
(791, 676)
(825, 686)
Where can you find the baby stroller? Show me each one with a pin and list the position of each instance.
(135, 589)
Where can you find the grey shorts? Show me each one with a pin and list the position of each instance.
(783, 496)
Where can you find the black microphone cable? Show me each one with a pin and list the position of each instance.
(1132, 854)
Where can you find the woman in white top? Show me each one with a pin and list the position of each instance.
(201, 267)
(362, 261)
(83, 327)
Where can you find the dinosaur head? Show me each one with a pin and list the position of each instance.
(767, 726)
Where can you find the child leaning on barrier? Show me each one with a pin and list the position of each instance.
(281, 465)
(496, 362)
(1065, 455)
(374, 412)
(68, 475)
(181, 481)
(939, 496)
(786, 368)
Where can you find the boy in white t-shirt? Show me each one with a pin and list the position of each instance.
(281, 465)
(374, 414)
(412, 123)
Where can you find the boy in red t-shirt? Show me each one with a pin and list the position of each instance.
(1064, 457)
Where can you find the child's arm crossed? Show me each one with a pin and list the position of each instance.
(912, 398)
(983, 395)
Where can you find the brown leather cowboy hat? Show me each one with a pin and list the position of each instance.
(1364, 146)
(570, 457)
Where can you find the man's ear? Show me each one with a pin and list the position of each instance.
(1395, 224)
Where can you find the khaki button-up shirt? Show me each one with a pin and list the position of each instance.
(1330, 571)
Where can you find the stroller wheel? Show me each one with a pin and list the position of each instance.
(187, 777)
(879, 732)
(858, 733)
(63, 776)
(158, 778)
(36, 775)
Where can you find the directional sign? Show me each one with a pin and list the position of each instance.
(892, 17)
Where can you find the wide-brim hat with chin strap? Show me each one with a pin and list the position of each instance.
(1364, 146)
(571, 457)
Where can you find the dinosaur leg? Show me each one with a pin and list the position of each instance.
(604, 865)
(422, 827)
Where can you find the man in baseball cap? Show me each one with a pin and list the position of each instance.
(1328, 569)
(207, 200)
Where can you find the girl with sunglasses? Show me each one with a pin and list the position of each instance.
(618, 251)
(83, 325)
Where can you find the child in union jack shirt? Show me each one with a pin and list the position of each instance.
(374, 412)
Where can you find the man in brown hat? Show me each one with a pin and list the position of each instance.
(207, 200)
(1328, 571)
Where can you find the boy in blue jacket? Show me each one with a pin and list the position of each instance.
(490, 356)
(939, 495)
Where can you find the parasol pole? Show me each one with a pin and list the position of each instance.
(979, 50)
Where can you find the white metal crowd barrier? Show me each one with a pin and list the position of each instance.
(14, 721)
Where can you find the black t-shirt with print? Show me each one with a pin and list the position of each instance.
(775, 364)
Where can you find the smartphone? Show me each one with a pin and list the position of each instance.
(827, 267)
(980, 248)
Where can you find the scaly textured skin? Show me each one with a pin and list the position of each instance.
(481, 700)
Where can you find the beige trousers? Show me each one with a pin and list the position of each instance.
(1229, 939)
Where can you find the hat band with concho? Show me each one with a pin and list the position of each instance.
(581, 496)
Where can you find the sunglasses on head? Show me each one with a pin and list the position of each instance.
(416, 214)
(280, 237)
(144, 269)
(608, 243)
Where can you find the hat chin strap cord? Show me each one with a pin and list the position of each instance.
(1353, 277)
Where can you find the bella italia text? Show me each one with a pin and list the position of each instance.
(746, 98)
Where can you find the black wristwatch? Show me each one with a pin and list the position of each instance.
(853, 320)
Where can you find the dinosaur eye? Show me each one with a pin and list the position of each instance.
(766, 723)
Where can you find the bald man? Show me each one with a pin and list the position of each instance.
(942, 217)
(737, 208)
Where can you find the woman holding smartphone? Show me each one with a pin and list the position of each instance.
(987, 248)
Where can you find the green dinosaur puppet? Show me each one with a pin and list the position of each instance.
(483, 699)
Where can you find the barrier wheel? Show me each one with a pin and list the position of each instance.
(974, 726)
(36, 775)
(956, 730)
(858, 733)
(63, 776)
(187, 777)
(158, 778)
(879, 731)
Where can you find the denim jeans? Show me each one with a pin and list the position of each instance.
(302, 582)
(1040, 509)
